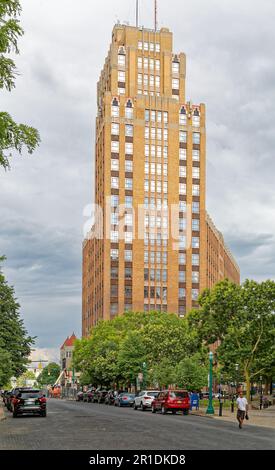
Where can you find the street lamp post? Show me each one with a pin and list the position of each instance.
(144, 381)
(261, 392)
(210, 409)
(237, 377)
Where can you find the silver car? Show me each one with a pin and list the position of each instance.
(144, 399)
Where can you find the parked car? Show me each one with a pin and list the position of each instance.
(79, 396)
(12, 394)
(99, 395)
(171, 400)
(125, 399)
(6, 396)
(144, 399)
(29, 402)
(88, 395)
(110, 397)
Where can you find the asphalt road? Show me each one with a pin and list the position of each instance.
(88, 426)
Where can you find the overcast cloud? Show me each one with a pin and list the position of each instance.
(230, 67)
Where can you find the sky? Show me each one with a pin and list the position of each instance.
(230, 67)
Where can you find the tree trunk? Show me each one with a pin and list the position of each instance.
(247, 380)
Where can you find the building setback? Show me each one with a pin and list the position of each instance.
(153, 246)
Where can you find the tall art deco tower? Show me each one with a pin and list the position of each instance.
(153, 245)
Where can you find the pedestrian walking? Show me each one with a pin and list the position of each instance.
(242, 408)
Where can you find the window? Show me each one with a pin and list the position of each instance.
(181, 276)
(152, 80)
(158, 186)
(147, 115)
(182, 206)
(114, 309)
(195, 294)
(128, 183)
(140, 45)
(146, 274)
(140, 78)
(145, 62)
(114, 236)
(195, 190)
(114, 200)
(115, 111)
(165, 152)
(145, 79)
(164, 275)
(182, 154)
(128, 166)
(129, 148)
(182, 224)
(147, 133)
(157, 62)
(182, 258)
(114, 165)
(153, 116)
(195, 277)
(157, 47)
(147, 150)
(128, 291)
(165, 117)
(175, 67)
(128, 255)
(146, 292)
(165, 187)
(153, 133)
(146, 46)
(181, 293)
(146, 186)
(195, 207)
(146, 257)
(128, 237)
(153, 150)
(183, 136)
(121, 60)
(128, 307)
(182, 242)
(115, 129)
(146, 168)
(196, 172)
(115, 147)
(195, 225)
(121, 76)
(165, 134)
(140, 62)
(182, 117)
(128, 220)
(129, 130)
(114, 254)
(159, 133)
(182, 171)
(195, 242)
(114, 218)
(152, 46)
(182, 188)
(121, 91)
(128, 202)
(196, 138)
(196, 155)
(195, 260)
(157, 81)
(114, 182)
(165, 169)
(153, 186)
(175, 84)
(129, 113)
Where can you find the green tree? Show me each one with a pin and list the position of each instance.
(162, 374)
(22, 381)
(49, 374)
(15, 343)
(13, 136)
(191, 373)
(242, 320)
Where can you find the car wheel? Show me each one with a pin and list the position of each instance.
(163, 410)
(135, 407)
(153, 409)
(143, 408)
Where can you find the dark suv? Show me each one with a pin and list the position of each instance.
(29, 402)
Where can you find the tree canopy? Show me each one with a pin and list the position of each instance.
(13, 136)
(15, 343)
(49, 374)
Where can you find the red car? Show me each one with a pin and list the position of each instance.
(171, 400)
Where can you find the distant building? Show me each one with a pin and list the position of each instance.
(66, 352)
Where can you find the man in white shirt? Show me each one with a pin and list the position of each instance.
(242, 408)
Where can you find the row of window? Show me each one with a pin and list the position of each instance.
(129, 147)
(129, 112)
(155, 169)
(115, 201)
(149, 46)
(156, 116)
(128, 273)
(195, 172)
(195, 189)
(156, 186)
(154, 204)
(182, 242)
(127, 219)
(114, 236)
(115, 165)
(157, 257)
(183, 120)
(155, 221)
(128, 255)
(145, 80)
(128, 183)
(159, 151)
(157, 275)
(155, 292)
(129, 129)
(196, 137)
(146, 63)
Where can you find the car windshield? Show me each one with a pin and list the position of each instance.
(26, 395)
(128, 395)
(178, 394)
(152, 394)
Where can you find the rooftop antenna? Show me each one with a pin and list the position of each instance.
(156, 15)
(137, 12)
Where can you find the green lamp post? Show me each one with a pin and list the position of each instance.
(210, 409)
(144, 381)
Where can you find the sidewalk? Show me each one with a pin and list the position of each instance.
(265, 418)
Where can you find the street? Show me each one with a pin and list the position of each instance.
(85, 426)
